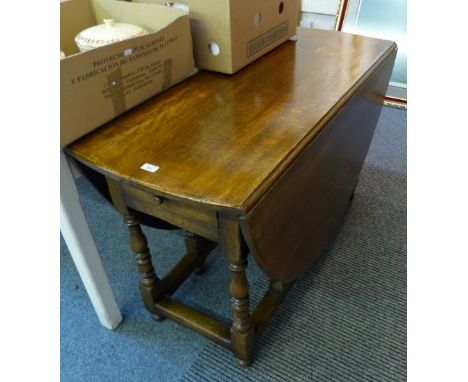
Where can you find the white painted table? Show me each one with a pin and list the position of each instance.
(81, 245)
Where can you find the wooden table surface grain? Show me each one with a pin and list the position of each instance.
(223, 140)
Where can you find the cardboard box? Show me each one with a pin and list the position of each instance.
(102, 83)
(230, 34)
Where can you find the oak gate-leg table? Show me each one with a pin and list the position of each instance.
(261, 162)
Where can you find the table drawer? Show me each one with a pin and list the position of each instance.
(191, 218)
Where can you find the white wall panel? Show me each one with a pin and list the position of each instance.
(326, 7)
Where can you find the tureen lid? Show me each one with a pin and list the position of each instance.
(107, 33)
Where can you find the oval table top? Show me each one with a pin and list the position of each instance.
(223, 140)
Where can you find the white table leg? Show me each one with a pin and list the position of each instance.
(80, 242)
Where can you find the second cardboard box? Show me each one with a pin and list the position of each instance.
(230, 34)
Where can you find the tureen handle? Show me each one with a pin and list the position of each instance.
(109, 22)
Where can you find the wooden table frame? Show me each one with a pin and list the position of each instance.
(156, 292)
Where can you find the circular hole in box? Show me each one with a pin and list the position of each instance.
(281, 8)
(257, 19)
(213, 48)
(181, 6)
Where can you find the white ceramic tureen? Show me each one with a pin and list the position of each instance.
(107, 33)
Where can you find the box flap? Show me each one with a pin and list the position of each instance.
(75, 16)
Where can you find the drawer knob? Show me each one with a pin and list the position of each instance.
(158, 200)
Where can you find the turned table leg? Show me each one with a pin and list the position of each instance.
(150, 285)
(194, 243)
(242, 330)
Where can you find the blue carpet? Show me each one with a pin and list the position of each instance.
(141, 349)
